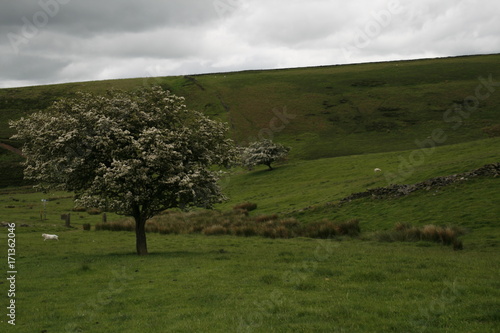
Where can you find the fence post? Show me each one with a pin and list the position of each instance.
(67, 219)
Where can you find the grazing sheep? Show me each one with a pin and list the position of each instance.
(377, 170)
(47, 236)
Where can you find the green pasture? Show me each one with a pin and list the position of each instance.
(94, 282)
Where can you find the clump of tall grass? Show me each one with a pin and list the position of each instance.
(237, 223)
(404, 232)
(94, 211)
(248, 206)
(328, 229)
(349, 228)
(124, 225)
(266, 218)
(215, 230)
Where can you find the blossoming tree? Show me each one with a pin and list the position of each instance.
(263, 152)
(134, 153)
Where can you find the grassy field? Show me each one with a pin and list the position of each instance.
(341, 122)
(93, 282)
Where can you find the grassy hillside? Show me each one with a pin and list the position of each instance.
(320, 112)
(299, 184)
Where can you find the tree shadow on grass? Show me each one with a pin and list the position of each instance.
(153, 254)
(263, 170)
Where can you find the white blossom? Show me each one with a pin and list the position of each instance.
(133, 153)
(263, 152)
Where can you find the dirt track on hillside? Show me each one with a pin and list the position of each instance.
(12, 149)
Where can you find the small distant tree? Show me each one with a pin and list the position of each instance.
(263, 152)
(134, 153)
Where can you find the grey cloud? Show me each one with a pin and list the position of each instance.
(90, 17)
(32, 67)
(96, 39)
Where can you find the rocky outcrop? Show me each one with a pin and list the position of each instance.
(489, 170)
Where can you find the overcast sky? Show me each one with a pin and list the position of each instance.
(56, 41)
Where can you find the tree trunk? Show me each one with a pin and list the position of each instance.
(140, 236)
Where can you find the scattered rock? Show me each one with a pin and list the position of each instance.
(393, 191)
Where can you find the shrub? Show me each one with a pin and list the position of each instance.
(215, 230)
(402, 226)
(94, 211)
(266, 218)
(236, 222)
(152, 227)
(126, 225)
(457, 245)
(246, 231)
(384, 236)
(429, 232)
(282, 232)
(324, 229)
(350, 228)
(268, 232)
(492, 131)
(86, 226)
(447, 236)
(247, 206)
(404, 232)
(167, 229)
(290, 223)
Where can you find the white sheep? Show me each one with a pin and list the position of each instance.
(377, 170)
(47, 236)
